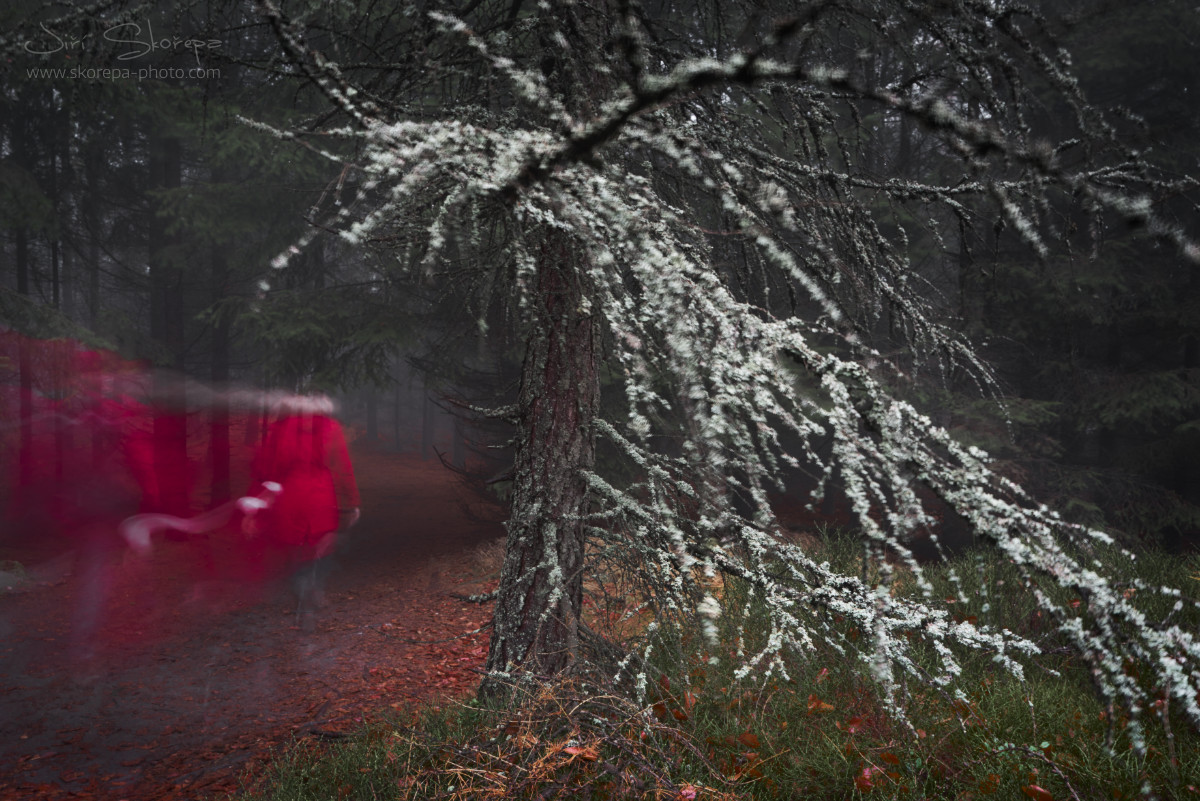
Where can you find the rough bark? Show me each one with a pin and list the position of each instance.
(536, 623)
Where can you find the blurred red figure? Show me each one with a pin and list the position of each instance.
(305, 453)
(85, 458)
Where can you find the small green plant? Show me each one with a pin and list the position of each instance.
(820, 731)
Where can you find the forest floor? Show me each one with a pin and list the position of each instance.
(199, 674)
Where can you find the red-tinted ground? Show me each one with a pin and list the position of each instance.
(199, 673)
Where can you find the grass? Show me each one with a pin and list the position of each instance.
(821, 734)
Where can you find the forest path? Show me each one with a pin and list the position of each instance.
(199, 673)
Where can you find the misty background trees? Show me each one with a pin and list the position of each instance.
(532, 198)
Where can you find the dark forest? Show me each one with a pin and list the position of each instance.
(709, 399)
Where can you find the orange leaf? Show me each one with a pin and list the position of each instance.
(660, 710)
(854, 724)
(890, 758)
(679, 714)
(815, 704)
(665, 683)
(748, 739)
(1036, 793)
(590, 753)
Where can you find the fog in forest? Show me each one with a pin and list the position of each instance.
(270, 382)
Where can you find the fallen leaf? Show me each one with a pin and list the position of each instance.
(590, 753)
(815, 704)
(748, 739)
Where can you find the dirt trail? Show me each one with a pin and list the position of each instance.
(198, 672)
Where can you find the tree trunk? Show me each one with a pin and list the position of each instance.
(372, 415)
(167, 327)
(166, 275)
(219, 447)
(54, 236)
(25, 464)
(428, 422)
(55, 274)
(536, 620)
(92, 205)
(396, 418)
(458, 446)
(24, 369)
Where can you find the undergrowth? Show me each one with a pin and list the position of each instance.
(820, 733)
